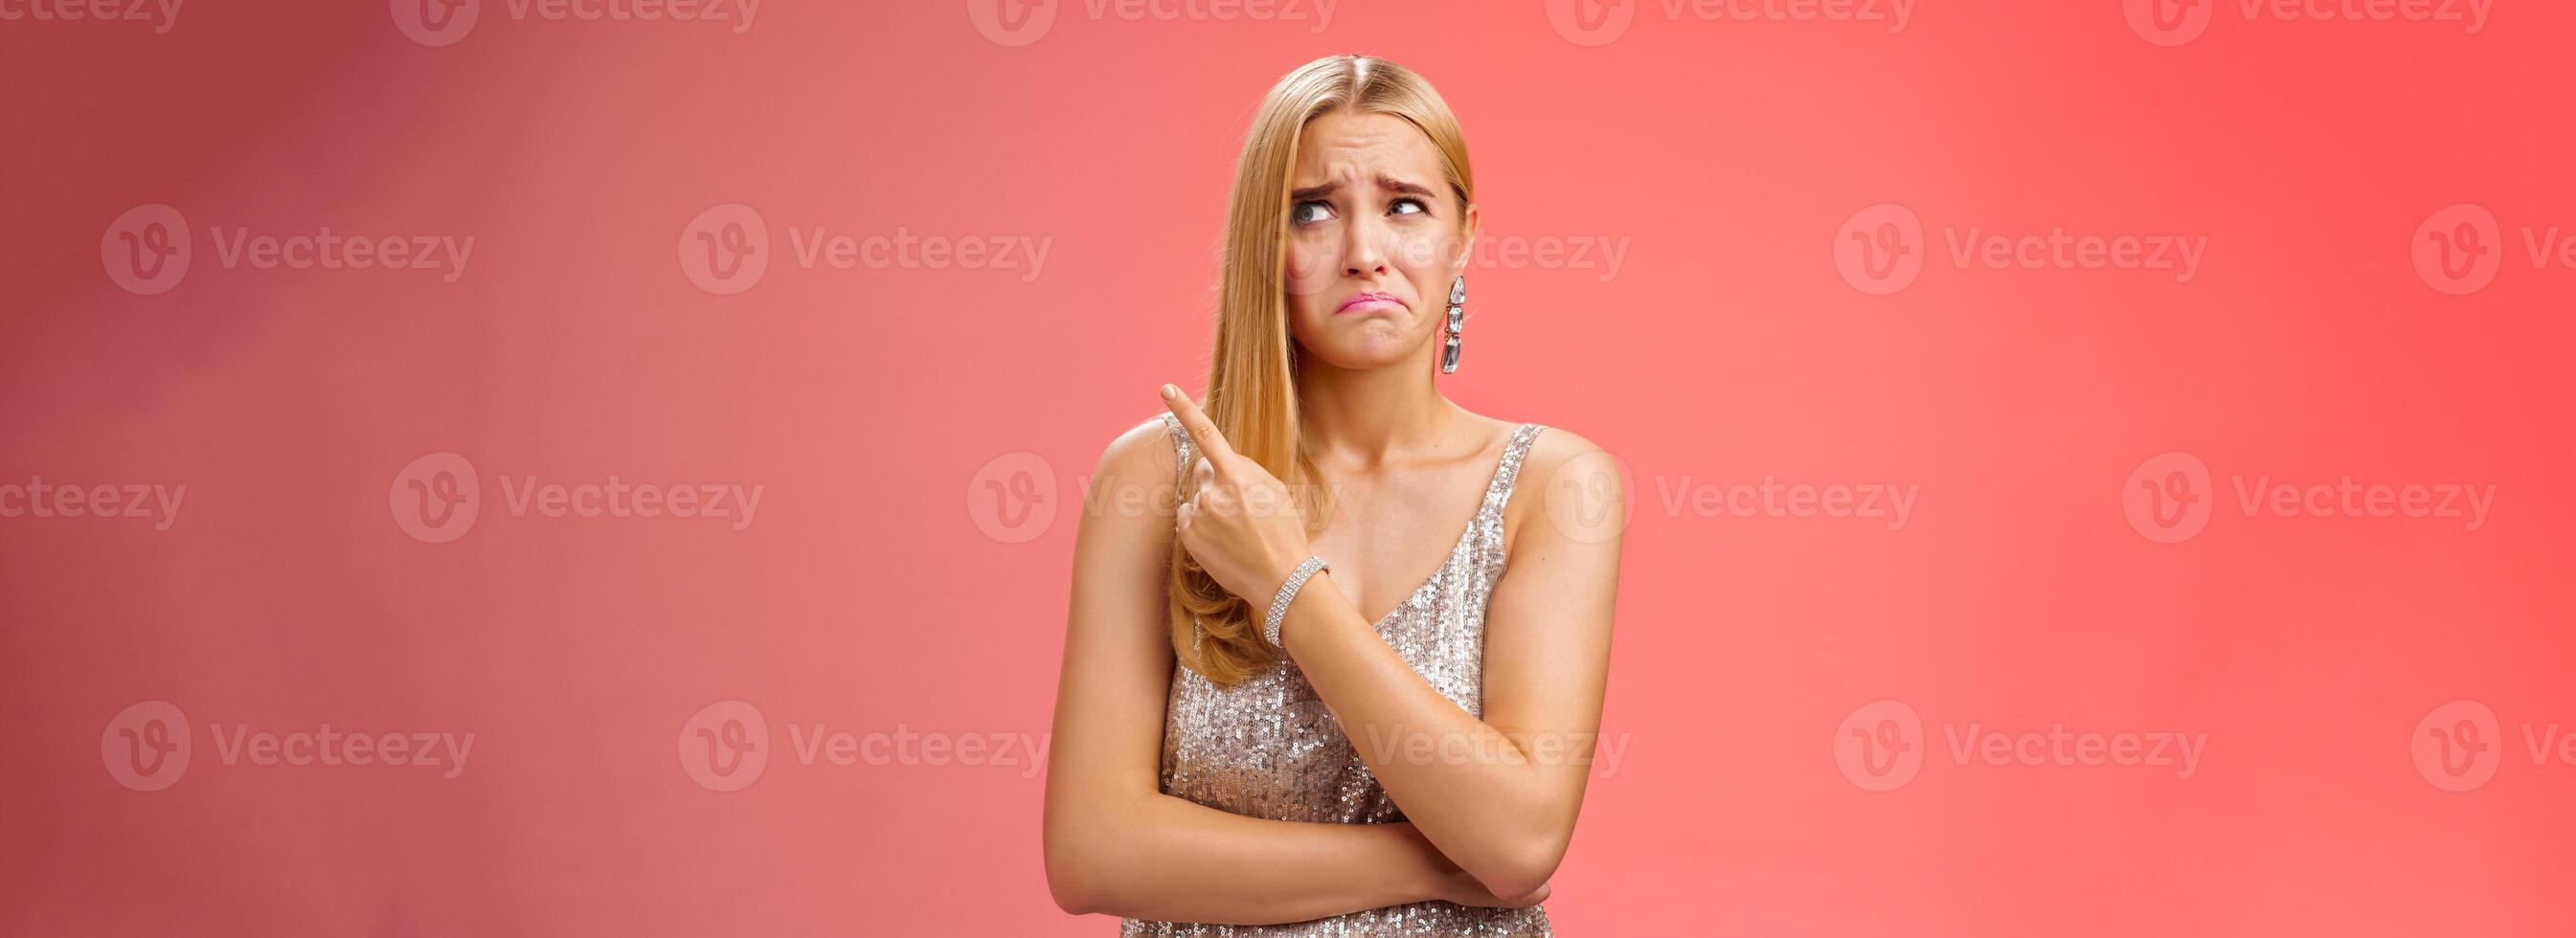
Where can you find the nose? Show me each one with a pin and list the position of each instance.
(1366, 252)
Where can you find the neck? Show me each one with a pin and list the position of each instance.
(1361, 417)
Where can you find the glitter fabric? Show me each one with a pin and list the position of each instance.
(1267, 747)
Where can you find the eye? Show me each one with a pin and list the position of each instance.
(1309, 212)
(1400, 204)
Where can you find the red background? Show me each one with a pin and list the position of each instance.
(877, 591)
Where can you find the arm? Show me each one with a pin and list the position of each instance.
(1114, 843)
(1498, 795)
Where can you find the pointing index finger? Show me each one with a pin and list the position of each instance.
(1201, 429)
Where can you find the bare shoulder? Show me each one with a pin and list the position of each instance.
(1136, 474)
(1555, 447)
(1556, 452)
(1571, 481)
(1141, 449)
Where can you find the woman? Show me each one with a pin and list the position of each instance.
(1270, 721)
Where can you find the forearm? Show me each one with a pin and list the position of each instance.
(1170, 859)
(1470, 789)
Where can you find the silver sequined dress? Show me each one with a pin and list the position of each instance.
(1268, 748)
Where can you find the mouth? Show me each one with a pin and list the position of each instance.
(1368, 302)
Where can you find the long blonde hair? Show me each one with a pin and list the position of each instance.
(1251, 385)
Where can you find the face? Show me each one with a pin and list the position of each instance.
(1375, 238)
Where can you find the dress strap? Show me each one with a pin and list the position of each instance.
(1508, 472)
(1183, 447)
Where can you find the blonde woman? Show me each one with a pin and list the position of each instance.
(1271, 720)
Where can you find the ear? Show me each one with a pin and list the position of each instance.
(1467, 241)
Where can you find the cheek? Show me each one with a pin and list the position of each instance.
(1429, 250)
(1427, 260)
(1311, 268)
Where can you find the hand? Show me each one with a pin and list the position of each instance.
(1448, 883)
(1240, 524)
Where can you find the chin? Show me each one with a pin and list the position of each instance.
(1360, 356)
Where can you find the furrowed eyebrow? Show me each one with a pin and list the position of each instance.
(1398, 185)
(1388, 183)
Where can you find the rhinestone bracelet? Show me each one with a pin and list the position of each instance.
(1287, 594)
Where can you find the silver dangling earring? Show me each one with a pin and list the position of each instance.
(1457, 324)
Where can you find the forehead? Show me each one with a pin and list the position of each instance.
(1353, 147)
